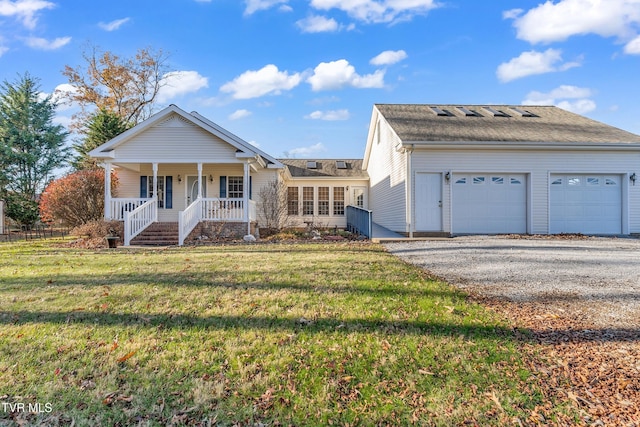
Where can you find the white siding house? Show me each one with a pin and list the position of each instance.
(502, 169)
(319, 190)
(179, 167)
(427, 170)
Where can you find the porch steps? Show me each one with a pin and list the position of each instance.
(158, 234)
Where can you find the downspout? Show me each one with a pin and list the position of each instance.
(409, 191)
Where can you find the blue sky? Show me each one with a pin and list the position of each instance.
(299, 78)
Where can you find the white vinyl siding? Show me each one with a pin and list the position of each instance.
(176, 140)
(387, 171)
(538, 165)
(338, 199)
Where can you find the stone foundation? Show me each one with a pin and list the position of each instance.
(211, 231)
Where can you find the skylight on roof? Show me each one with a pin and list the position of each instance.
(438, 111)
(341, 164)
(466, 111)
(522, 112)
(312, 164)
(496, 113)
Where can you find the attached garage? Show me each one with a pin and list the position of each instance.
(492, 203)
(588, 204)
(500, 169)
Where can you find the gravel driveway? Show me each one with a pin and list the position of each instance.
(595, 279)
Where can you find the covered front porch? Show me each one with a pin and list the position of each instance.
(186, 194)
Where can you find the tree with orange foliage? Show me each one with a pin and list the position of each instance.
(76, 199)
(127, 87)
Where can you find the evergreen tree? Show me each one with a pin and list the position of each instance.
(31, 146)
(102, 126)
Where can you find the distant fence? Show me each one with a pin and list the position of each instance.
(38, 232)
(359, 221)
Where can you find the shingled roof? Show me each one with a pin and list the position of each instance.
(497, 123)
(328, 168)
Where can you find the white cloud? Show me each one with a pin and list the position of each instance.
(533, 62)
(338, 74)
(3, 50)
(389, 57)
(331, 115)
(318, 24)
(552, 22)
(561, 92)
(633, 47)
(25, 10)
(44, 44)
(179, 83)
(257, 5)
(113, 25)
(571, 98)
(239, 114)
(374, 11)
(267, 80)
(512, 14)
(581, 106)
(60, 93)
(306, 151)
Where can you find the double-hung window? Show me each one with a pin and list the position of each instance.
(292, 201)
(323, 201)
(161, 192)
(338, 201)
(307, 200)
(235, 187)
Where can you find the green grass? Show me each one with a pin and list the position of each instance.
(295, 334)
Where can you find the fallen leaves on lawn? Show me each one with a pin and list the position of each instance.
(596, 370)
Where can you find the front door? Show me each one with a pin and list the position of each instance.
(192, 188)
(428, 203)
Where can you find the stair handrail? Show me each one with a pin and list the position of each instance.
(137, 220)
(188, 219)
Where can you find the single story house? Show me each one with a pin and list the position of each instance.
(427, 169)
(180, 169)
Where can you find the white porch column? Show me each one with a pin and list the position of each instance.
(155, 181)
(245, 196)
(107, 191)
(199, 180)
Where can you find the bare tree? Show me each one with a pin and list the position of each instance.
(272, 209)
(128, 87)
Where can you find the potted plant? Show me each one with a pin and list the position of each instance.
(112, 239)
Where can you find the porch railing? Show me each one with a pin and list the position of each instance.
(188, 219)
(118, 207)
(359, 221)
(138, 219)
(223, 209)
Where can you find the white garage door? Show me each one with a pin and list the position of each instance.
(587, 204)
(489, 203)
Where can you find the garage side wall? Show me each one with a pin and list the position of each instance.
(538, 165)
(387, 171)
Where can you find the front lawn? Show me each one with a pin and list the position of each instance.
(278, 334)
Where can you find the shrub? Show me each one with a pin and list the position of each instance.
(92, 234)
(75, 199)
